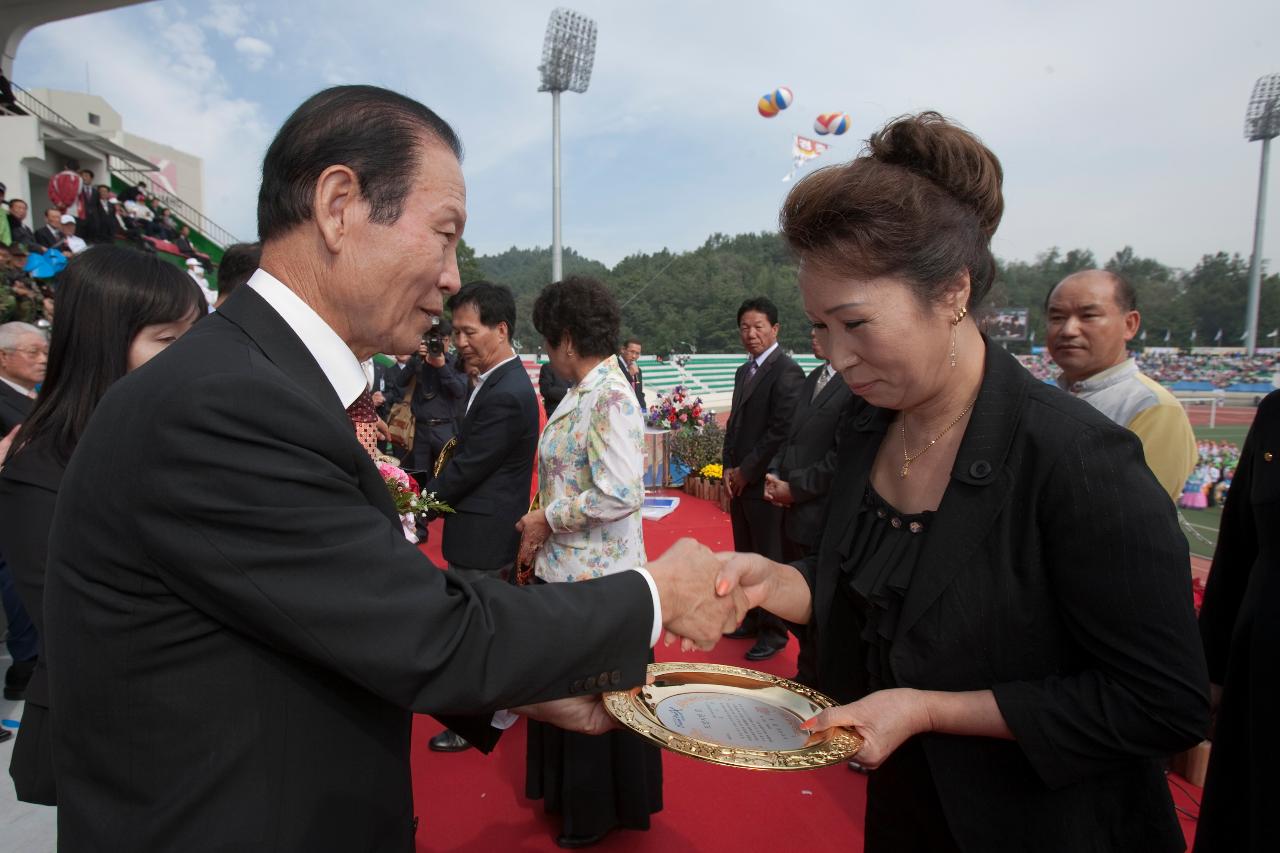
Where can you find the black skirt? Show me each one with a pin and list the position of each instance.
(594, 782)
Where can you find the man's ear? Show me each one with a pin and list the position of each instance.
(336, 205)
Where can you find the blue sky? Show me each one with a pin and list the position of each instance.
(1117, 122)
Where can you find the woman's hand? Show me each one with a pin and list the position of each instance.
(534, 531)
(884, 720)
(777, 587)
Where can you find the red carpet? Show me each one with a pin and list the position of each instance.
(468, 801)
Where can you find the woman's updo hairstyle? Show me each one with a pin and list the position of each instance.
(921, 202)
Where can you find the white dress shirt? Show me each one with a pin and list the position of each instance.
(762, 356)
(341, 367)
(26, 392)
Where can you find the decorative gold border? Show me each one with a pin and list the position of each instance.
(631, 711)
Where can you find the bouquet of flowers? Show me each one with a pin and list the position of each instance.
(676, 411)
(408, 497)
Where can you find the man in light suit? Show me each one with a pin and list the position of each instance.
(489, 476)
(237, 640)
(801, 472)
(765, 390)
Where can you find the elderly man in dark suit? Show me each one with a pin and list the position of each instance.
(24, 355)
(765, 391)
(801, 473)
(237, 639)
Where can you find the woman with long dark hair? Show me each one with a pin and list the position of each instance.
(117, 308)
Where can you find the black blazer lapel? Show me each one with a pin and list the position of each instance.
(979, 488)
(756, 381)
(282, 346)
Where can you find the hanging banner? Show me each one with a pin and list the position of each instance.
(804, 149)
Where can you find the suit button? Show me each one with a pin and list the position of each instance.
(589, 682)
(603, 679)
(577, 687)
(980, 470)
(615, 678)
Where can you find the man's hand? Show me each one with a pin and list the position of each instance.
(686, 579)
(583, 714)
(777, 492)
(378, 399)
(534, 532)
(734, 481)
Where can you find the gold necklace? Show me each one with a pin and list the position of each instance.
(908, 458)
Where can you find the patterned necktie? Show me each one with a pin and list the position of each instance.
(751, 370)
(364, 418)
(823, 377)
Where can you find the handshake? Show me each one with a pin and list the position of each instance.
(698, 607)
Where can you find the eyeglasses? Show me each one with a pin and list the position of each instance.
(32, 352)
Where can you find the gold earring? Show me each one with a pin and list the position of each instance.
(953, 344)
(960, 315)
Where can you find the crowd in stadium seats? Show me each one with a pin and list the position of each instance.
(1208, 484)
(1221, 371)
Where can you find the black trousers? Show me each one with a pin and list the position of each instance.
(757, 529)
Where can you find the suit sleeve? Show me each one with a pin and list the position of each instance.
(782, 408)
(814, 481)
(1233, 558)
(1117, 566)
(453, 383)
(278, 542)
(410, 372)
(495, 427)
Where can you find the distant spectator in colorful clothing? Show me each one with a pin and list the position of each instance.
(1091, 316)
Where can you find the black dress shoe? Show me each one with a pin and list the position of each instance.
(575, 842)
(448, 741)
(16, 678)
(742, 633)
(763, 650)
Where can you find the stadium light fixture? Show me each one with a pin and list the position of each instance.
(568, 52)
(1261, 122)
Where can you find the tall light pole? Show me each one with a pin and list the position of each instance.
(1261, 121)
(568, 53)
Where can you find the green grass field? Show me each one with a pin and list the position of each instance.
(1205, 521)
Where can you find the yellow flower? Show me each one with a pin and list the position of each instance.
(712, 471)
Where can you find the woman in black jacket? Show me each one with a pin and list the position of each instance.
(1001, 594)
(116, 309)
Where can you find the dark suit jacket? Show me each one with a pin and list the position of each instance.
(1240, 628)
(20, 234)
(28, 490)
(552, 388)
(760, 417)
(237, 630)
(48, 237)
(488, 479)
(1054, 574)
(14, 408)
(636, 383)
(807, 459)
(438, 392)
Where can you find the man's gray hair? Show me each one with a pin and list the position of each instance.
(12, 333)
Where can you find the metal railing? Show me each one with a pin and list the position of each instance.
(214, 232)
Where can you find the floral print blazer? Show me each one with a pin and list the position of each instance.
(591, 479)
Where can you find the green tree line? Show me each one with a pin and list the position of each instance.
(679, 302)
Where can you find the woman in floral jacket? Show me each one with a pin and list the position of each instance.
(590, 490)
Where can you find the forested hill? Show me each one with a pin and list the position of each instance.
(675, 302)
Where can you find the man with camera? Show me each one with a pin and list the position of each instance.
(439, 388)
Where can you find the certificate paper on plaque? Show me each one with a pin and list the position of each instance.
(733, 716)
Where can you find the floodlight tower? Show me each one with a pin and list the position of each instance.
(1261, 121)
(568, 53)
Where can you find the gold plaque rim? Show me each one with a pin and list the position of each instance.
(630, 709)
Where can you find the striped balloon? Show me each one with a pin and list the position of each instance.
(836, 123)
(772, 103)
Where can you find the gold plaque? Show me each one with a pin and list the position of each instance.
(732, 716)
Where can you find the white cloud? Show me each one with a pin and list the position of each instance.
(229, 19)
(255, 51)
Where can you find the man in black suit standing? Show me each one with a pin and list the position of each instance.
(765, 391)
(237, 639)
(628, 360)
(488, 478)
(24, 355)
(801, 472)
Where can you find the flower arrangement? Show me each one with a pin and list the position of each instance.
(712, 471)
(676, 411)
(410, 501)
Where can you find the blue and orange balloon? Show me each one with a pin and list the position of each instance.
(836, 123)
(775, 102)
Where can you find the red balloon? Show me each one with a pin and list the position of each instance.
(64, 188)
